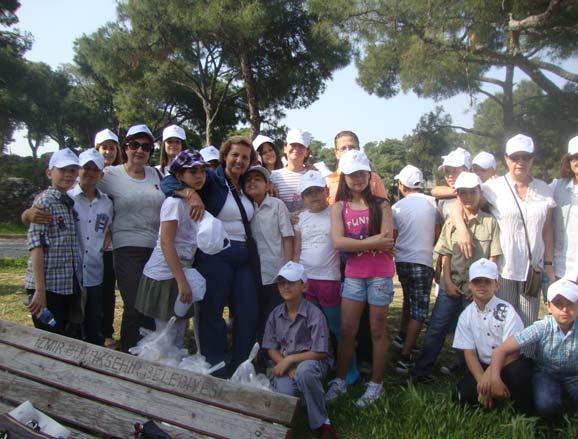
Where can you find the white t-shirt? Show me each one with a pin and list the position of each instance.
(415, 218)
(231, 217)
(287, 183)
(318, 256)
(486, 330)
(173, 209)
(137, 204)
(539, 199)
(565, 220)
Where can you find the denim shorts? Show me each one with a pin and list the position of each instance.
(377, 291)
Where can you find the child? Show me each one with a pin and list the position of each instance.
(555, 340)
(484, 166)
(456, 162)
(454, 294)
(483, 325)
(210, 155)
(53, 276)
(417, 227)
(361, 225)
(313, 248)
(94, 212)
(273, 232)
(297, 339)
(163, 277)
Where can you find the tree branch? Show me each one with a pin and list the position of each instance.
(472, 131)
(490, 96)
(573, 77)
(538, 20)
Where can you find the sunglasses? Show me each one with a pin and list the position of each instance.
(133, 145)
(522, 157)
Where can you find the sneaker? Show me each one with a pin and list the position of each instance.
(450, 368)
(336, 388)
(405, 364)
(326, 431)
(372, 394)
(397, 343)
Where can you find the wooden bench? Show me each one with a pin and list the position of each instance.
(96, 391)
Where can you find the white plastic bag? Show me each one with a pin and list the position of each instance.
(246, 375)
(211, 235)
(26, 414)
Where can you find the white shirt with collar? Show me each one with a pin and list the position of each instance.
(93, 218)
(539, 199)
(565, 220)
(484, 330)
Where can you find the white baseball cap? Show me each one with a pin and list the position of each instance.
(353, 161)
(103, 136)
(260, 139)
(457, 158)
(322, 167)
(91, 155)
(467, 180)
(484, 268)
(209, 153)
(262, 170)
(564, 288)
(519, 143)
(174, 131)
(140, 129)
(292, 271)
(63, 158)
(311, 179)
(410, 177)
(573, 146)
(485, 160)
(297, 135)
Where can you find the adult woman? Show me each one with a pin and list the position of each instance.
(270, 157)
(173, 138)
(523, 207)
(229, 275)
(565, 217)
(134, 188)
(106, 143)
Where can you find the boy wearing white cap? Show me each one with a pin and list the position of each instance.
(456, 162)
(454, 293)
(555, 340)
(94, 213)
(416, 224)
(54, 267)
(210, 155)
(484, 166)
(485, 324)
(297, 339)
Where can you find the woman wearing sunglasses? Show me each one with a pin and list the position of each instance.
(565, 217)
(134, 188)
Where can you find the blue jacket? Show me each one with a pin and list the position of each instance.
(214, 193)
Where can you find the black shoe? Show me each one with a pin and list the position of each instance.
(405, 364)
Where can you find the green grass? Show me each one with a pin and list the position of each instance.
(427, 411)
(12, 229)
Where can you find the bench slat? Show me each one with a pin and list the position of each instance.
(269, 406)
(148, 402)
(71, 409)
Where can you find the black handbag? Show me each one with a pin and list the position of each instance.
(254, 260)
(533, 283)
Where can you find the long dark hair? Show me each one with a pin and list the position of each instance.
(278, 163)
(374, 204)
(565, 169)
(164, 160)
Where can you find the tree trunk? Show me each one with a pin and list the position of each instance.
(508, 122)
(208, 122)
(254, 115)
(34, 145)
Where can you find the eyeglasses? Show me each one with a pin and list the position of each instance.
(345, 148)
(522, 157)
(133, 145)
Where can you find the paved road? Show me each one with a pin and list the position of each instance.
(12, 248)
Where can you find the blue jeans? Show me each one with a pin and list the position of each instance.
(443, 319)
(550, 390)
(230, 281)
(93, 314)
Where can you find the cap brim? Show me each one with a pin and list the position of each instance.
(65, 164)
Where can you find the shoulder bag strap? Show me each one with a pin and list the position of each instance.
(241, 208)
(522, 216)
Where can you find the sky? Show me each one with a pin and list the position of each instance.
(343, 106)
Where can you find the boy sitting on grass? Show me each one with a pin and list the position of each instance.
(297, 339)
(555, 339)
(483, 325)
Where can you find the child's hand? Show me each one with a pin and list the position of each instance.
(38, 215)
(452, 290)
(185, 293)
(291, 373)
(196, 205)
(381, 242)
(484, 385)
(499, 389)
(37, 303)
(282, 367)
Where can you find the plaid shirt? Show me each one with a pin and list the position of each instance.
(556, 352)
(58, 239)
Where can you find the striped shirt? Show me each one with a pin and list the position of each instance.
(59, 242)
(556, 352)
(287, 183)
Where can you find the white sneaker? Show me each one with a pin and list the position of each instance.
(372, 394)
(336, 388)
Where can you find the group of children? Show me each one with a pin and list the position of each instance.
(319, 274)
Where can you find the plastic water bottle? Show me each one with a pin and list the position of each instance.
(47, 318)
(181, 308)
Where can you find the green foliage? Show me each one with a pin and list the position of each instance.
(319, 152)
(388, 157)
(13, 264)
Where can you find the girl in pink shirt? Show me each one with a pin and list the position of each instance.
(362, 229)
